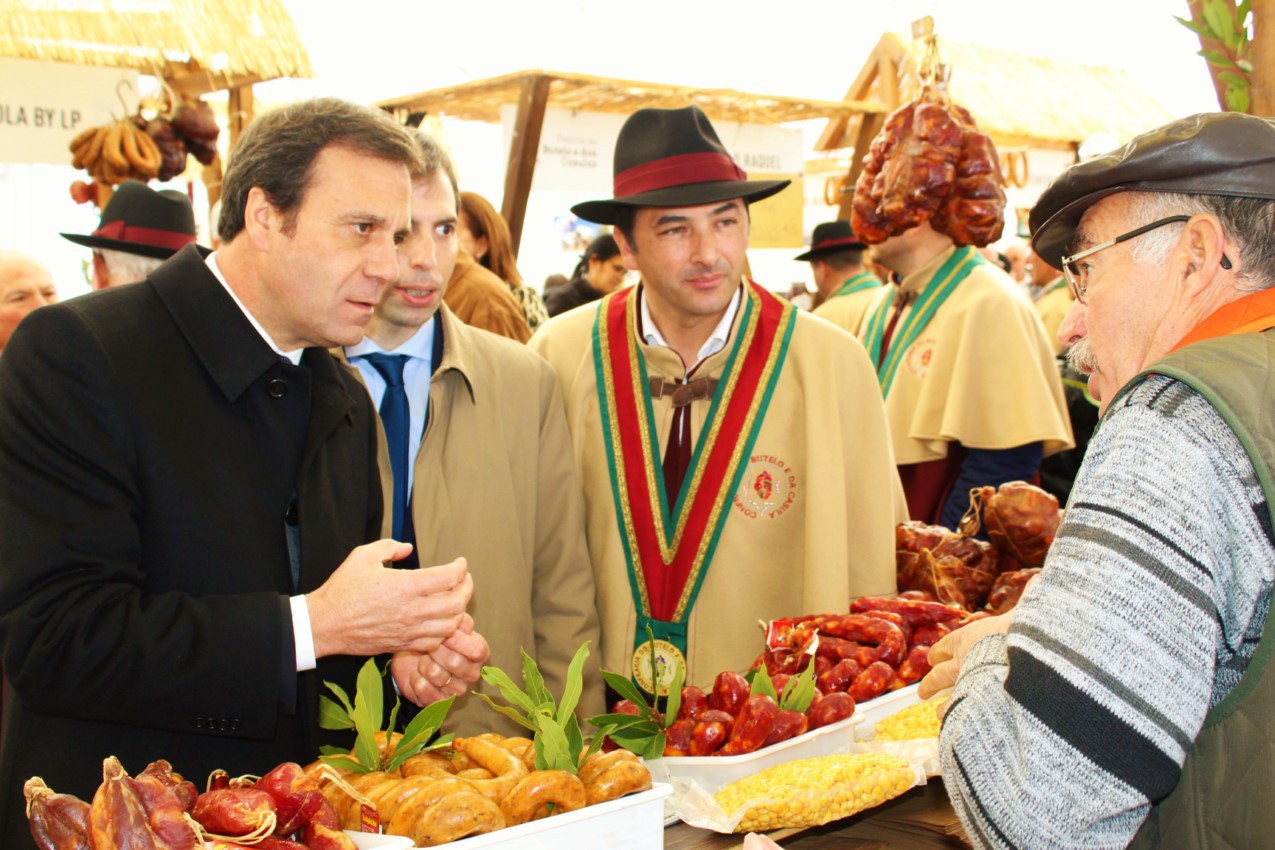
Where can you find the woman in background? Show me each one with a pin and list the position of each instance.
(601, 270)
(484, 234)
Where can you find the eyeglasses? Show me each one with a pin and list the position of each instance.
(1078, 275)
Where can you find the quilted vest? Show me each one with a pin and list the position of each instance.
(1222, 800)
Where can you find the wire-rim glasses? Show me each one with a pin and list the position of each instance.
(1077, 278)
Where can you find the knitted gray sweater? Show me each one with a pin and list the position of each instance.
(1062, 732)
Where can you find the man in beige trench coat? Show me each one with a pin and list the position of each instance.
(485, 470)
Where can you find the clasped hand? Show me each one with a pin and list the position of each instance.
(367, 608)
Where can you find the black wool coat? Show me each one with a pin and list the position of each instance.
(153, 450)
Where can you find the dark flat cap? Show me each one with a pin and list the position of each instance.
(1213, 153)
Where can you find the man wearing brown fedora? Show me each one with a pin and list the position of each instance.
(1128, 700)
(139, 229)
(734, 452)
(843, 280)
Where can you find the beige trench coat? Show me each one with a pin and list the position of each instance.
(495, 482)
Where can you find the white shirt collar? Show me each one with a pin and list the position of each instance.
(716, 341)
(419, 344)
(294, 356)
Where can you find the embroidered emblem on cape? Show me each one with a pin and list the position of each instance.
(919, 356)
(768, 490)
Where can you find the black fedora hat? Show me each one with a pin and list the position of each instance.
(832, 237)
(673, 158)
(139, 220)
(1213, 153)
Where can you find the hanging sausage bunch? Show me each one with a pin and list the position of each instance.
(137, 148)
(930, 162)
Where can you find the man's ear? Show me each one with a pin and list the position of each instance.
(260, 218)
(101, 276)
(1203, 244)
(626, 250)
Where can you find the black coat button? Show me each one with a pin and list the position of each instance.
(291, 516)
(277, 388)
(199, 723)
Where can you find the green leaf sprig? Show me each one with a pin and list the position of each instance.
(364, 717)
(641, 733)
(799, 691)
(555, 731)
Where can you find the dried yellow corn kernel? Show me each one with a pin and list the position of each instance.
(915, 721)
(814, 791)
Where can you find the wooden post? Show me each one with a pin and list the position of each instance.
(239, 112)
(523, 148)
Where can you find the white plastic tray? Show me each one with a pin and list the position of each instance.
(635, 822)
(713, 772)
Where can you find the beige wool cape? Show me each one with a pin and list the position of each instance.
(981, 373)
(823, 535)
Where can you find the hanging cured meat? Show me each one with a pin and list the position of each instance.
(930, 162)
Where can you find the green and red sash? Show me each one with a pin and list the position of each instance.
(931, 298)
(668, 550)
(858, 283)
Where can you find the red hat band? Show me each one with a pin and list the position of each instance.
(679, 170)
(829, 243)
(118, 229)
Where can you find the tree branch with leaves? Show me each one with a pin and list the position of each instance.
(1223, 29)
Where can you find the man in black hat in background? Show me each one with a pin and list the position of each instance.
(139, 229)
(1128, 696)
(734, 452)
(844, 283)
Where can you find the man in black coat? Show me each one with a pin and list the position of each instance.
(188, 486)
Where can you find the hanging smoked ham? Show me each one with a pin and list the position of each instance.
(930, 162)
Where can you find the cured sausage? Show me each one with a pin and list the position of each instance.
(915, 612)
(531, 796)
(752, 726)
(609, 776)
(875, 680)
(505, 767)
(884, 639)
(457, 816)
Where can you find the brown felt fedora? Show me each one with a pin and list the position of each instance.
(1213, 153)
(139, 220)
(673, 158)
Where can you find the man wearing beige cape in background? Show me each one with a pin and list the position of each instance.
(966, 368)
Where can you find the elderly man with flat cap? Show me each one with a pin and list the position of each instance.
(735, 453)
(845, 284)
(1128, 697)
(139, 229)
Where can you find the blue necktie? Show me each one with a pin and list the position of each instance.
(395, 417)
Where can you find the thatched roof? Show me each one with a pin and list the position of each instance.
(481, 100)
(1018, 100)
(197, 45)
